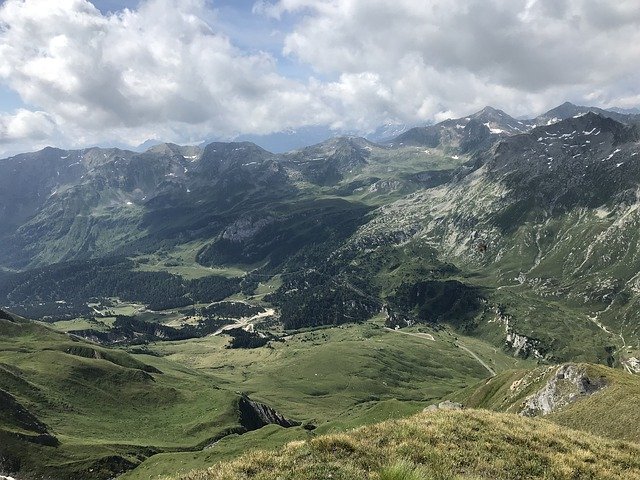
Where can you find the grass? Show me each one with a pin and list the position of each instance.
(80, 324)
(403, 470)
(268, 437)
(182, 261)
(491, 355)
(611, 412)
(467, 445)
(102, 403)
(106, 403)
(336, 378)
(328, 371)
(267, 287)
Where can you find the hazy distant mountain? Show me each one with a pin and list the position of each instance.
(568, 110)
(625, 111)
(280, 142)
(294, 139)
(387, 132)
(147, 144)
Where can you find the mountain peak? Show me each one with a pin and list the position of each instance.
(495, 116)
(190, 152)
(562, 112)
(568, 105)
(148, 144)
(489, 109)
(567, 109)
(162, 147)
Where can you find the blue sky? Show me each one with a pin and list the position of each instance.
(74, 74)
(9, 99)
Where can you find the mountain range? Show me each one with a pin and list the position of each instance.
(505, 248)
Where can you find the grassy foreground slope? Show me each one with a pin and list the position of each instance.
(469, 444)
(71, 409)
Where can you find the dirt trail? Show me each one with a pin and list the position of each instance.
(478, 359)
(245, 322)
(428, 336)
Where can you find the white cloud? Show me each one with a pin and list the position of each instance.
(25, 125)
(162, 67)
(165, 70)
(462, 54)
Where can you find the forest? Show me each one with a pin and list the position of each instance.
(63, 290)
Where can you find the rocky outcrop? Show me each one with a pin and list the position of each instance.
(255, 415)
(568, 384)
(245, 228)
(446, 405)
(521, 345)
(631, 365)
(394, 319)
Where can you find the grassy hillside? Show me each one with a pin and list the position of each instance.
(334, 378)
(611, 411)
(468, 444)
(76, 410)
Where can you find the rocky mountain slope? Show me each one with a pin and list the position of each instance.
(468, 134)
(568, 110)
(67, 205)
(589, 397)
(546, 216)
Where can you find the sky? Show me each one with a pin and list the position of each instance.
(75, 73)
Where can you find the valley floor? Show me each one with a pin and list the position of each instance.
(333, 378)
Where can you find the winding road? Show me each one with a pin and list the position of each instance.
(478, 359)
(428, 336)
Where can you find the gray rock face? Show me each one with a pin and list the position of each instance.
(631, 365)
(469, 134)
(569, 383)
(446, 405)
(254, 415)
